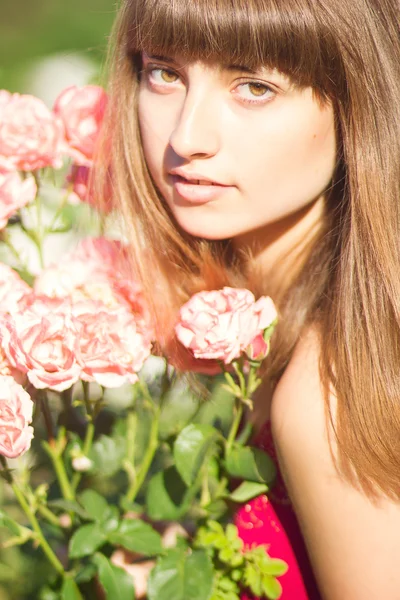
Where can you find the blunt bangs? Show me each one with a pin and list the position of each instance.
(288, 35)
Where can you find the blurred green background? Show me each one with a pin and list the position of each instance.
(46, 45)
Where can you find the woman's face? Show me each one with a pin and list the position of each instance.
(232, 150)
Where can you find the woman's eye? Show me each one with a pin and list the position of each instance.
(255, 91)
(162, 76)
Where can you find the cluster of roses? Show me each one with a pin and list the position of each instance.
(33, 137)
(83, 319)
(33, 328)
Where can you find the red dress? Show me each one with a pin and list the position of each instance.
(272, 521)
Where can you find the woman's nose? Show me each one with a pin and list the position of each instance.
(196, 131)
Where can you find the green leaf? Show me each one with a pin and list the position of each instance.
(107, 454)
(166, 496)
(248, 490)
(182, 577)
(70, 506)
(218, 409)
(271, 587)
(116, 583)
(216, 509)
(86, 573)
(137, 536)
(110, 521)
(250, 464)
(86, 540)
(191, 448)
(94, 504)
(275, 567)
(178, 408)
(270, 330)
(70, 590)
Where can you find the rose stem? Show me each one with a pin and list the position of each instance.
(34, 522)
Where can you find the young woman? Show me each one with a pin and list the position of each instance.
(256, 143)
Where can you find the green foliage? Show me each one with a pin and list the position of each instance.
(137, 536)
(116, 583)
(86, 540)
(248, 490)
(191, 448)
(20, 534)
(182, 575)
(94, 504)
(70, 506)
(251, 464)
(236, 566)
(107, 454)
(167, 496)
(260, 573)
(70, 590)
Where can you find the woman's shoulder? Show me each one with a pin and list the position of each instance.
(298, 403)
(344, 530)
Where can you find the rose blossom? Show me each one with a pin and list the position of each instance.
(43, 342)
(16, 409)
(12, 290)
(81, 111)
(221, 324)
(6, 368)
(29, 134)
(14, 194)
(112, 347)
(98, 270)
(82, 190)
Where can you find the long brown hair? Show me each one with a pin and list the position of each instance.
(348, 282)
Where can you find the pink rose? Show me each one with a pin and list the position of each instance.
(7, 369)
(99, 270)
(81, 110)
(112, 347)
(16, 409)
(258, 349)
(110, 257)
(14, 194)
(43, 342)
(29, 134)
(220, 325)
(107, 254)
(13, 290)
(82, 191)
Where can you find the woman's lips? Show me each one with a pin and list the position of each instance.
(198, 193)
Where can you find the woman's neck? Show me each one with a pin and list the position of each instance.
(277, 248)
